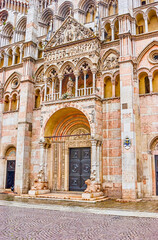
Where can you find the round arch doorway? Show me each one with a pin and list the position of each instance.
(10, 168)
(69, 153)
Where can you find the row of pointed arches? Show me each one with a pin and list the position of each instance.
(10, 34)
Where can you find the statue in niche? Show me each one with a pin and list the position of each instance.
(70, 86)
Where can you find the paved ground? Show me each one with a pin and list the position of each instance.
(25, 221)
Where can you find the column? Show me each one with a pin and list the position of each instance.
(151, 83)
(42, 155)
(2, 159)
(114, 8)
(85, 82)
(45, 90)
(5, 59)
(13, 61)
(98, 166)
(18, 101)
(76, 84)
(94, 158)
(53, 89)
(146, 24)
(21, 51)
(60, 86)
(94, 80)
(106, 10)
(113, 88)
(112, 33)
(10, 103)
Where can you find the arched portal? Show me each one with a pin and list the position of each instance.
(68, 134)
(10, 167)
(154, 166)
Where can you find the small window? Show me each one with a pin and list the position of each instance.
(143, 2)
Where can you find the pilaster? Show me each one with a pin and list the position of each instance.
(23, 154)
(129, 95)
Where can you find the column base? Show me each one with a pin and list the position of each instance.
(38, 192)
(93, 196)
(93, 191)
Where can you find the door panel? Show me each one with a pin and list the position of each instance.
(79, 168)
(10, 173)
(156, 173)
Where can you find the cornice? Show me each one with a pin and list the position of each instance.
(145, 6)
(71, 43)
(110, 44)
(145, 35)
(8, 68)
(11, 45)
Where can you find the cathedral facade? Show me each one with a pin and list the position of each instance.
(79, 97)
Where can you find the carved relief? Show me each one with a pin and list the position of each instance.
(111, 62)
(70, 31)
(40, 77)
(91, 48)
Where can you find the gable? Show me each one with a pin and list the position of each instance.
(70, 31)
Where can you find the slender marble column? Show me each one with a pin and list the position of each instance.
(151, 83)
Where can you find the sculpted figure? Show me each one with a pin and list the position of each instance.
(70, 85)
(39, 183)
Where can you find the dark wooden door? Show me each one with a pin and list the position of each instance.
(156, 169)
(79, 168)
(10, 173)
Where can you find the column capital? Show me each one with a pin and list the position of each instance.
(94, 70)
(60, 77)
(94, 142)
(76, 73)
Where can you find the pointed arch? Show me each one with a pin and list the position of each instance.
(84, 4)
(21, 24)
(47, 15)
(84, 60)
(14, 75)
(110, 51)
(68, 63)
(64, 9)
(50, 68)
(146, 49)
(8, 30)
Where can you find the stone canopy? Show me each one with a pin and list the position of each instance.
(70, 31)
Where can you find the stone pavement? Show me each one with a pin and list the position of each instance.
(26, 221)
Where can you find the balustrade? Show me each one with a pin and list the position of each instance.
(80, 93)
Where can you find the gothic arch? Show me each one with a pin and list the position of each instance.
(106, 54)
(82, 61)
(68, 63)
(14, 75)
(8, 30)
(50, 68)
(146, 49)
(84, 4)
(21, 24)
(47, 15)
(64, 9)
